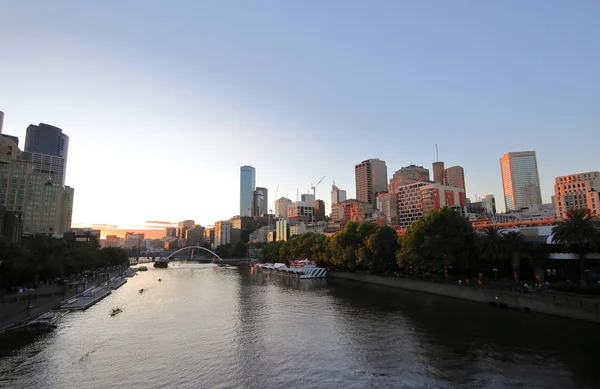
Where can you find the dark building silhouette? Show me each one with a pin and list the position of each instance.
(47, 148)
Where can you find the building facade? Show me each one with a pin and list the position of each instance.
(337, 195)
(222, 232)
(301, 211)
(47, 148)
(194, 236)
(489, 203)
(247, 186)
(281, 207)
(370, 177)
(260, 202)
(319, 210)
(577, 191)
(520, 180)
(455, 176)
(416, 200)
(407, 175)
(438, 172)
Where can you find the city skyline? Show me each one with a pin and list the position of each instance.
(199, 106)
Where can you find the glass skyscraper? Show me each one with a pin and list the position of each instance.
(520, 180)
(247, 187)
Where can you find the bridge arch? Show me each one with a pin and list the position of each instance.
(195, 247)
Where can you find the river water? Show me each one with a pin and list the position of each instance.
(211, 327)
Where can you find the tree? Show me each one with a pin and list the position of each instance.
(492, 244)
(576, 231)
(513, 241)
(439, 239)
(240, 250)
(382, 245)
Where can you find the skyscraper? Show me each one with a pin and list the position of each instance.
(454, 176)
(520, 180)
(1, 121)
(47, 148)
(337, 195)
(247, 186)
(260, 202)
(371, 178)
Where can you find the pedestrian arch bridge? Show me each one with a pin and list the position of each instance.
(173, 257)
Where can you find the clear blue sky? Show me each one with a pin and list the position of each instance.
(175, 96)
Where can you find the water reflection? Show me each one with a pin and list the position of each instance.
(463, 343)
(210, 327)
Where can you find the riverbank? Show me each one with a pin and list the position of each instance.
(574, 307)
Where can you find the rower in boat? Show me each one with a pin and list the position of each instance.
(159, 280)
(142, 290)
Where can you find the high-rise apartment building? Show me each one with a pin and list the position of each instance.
(577, 191)
(520, 180)
(455, 176)
(222, 232)
(489, 203)
(260, 202)
(47, 148)
(247, 186)
(438, 172)
(408, 175)
(281, 207)
(371, 178)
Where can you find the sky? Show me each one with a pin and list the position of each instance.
(164, 101)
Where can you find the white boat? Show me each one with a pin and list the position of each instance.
(300, 269)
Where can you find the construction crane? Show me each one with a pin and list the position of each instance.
(314, 187)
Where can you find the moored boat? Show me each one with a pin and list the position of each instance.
(142, 268)
(301, 269)
(161, 263)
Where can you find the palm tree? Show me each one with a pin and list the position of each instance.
(576, 230)
(513, 241)
(491, 244)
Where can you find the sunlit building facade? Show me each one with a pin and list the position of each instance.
(577, 191)
(520, 180)
(371, 177)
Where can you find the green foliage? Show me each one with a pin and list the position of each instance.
(442, 238)
(578, 231)
(44, 258)
(238, 250)
(359, 246)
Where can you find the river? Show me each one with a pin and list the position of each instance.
(211, 327)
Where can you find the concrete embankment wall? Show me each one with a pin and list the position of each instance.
(570, 306)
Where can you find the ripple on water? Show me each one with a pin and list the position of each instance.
(206, 327)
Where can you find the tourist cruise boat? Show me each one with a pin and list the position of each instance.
(301, 269)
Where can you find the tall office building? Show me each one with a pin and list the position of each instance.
(371, 178)
(260, 202)
(281, 207)
(577, 191)
(438, 172)
(247, 186)
(1, 121)
(520, 180)
(337, 195)
(47, 148)
(455, 176)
